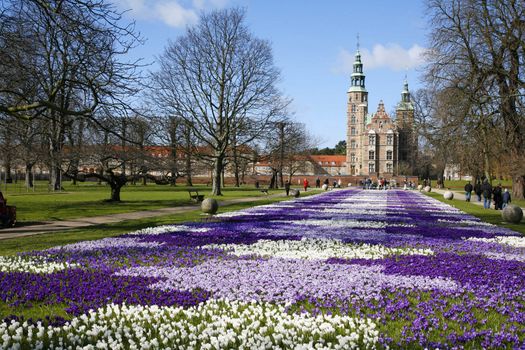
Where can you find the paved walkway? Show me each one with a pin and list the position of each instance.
(54, 226)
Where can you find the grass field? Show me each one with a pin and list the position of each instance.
(89, 199)
(488, 215)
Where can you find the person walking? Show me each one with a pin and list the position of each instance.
(287, 188)
(477, 190)
(317, 183)
(506, 198)
(498, 197)
(305, 184)
(468, 191)
(486, 189)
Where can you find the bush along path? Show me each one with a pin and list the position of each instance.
(348, 269)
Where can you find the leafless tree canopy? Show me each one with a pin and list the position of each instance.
(64, 56)
(222, 80)
(477, 53)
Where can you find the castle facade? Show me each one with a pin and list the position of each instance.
(377, 145)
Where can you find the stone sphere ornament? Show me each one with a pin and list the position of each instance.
(448, 195)
(325, 187)
(296, 193)
(427, 189)
(209, 206)
(420, 187)
(512, 213)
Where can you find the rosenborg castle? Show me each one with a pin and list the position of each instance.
(378, 146)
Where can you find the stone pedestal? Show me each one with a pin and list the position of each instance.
(420, 187)
(427, 189)
(325, 187)
(448, 195)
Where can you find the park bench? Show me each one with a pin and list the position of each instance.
(195, 196)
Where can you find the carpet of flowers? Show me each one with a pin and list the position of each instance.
(340, 270)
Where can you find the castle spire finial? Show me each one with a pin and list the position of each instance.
(358, 41)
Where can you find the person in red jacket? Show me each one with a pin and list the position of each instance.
(305, 184)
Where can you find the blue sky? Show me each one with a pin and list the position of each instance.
(314, 43)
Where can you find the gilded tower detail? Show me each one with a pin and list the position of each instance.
(378, 146)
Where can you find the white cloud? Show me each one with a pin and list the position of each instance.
(392, 56)
(175, 13)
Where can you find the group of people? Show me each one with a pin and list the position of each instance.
(381, 184)
(498, 195)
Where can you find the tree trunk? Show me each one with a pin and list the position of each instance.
(115, 192)
(217, 174)
(29, 178)
(273, 180)
(188, 169)
(8, 170)
(518, 187)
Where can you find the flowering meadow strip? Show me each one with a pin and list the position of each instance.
(429, 276)
(310, 248)
(32, 265)
(282, 280)
(216, 324)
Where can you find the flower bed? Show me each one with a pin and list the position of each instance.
(344, 269)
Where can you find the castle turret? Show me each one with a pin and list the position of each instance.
(357, 109)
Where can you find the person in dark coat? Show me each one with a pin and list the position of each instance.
(498, 197)
(506, 198)
(486, 189)
(468, 191)
(287, 187)
(477, 190)
(317, 183)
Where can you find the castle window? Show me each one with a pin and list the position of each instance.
(353, 108)
(353, 119)
(352, 144)
(388, 155)
(372, 139)
(389, 139)
(352, 157)
(371, 168)
(371, 155)
(388, 167)
(352, 131)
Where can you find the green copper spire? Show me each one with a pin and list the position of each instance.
(357, 78)
(406, 102)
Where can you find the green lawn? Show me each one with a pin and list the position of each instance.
(460, 184)
(89, 199)
(488, 215)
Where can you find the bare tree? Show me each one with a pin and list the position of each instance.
(287, 150)
(220, 78)
(69, 46)
(477, 49)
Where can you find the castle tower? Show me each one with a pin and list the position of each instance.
(407, 132)
(357, 110)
